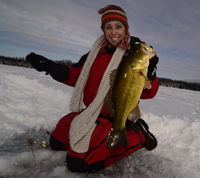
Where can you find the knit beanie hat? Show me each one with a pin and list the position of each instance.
(114, 13)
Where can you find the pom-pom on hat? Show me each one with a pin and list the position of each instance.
(114, 13)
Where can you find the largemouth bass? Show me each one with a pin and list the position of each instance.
(127, 83)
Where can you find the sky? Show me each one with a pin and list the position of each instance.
(67, 29)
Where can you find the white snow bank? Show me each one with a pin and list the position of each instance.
(32, 103)
(28, 104)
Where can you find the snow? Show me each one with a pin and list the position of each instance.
(32, 103)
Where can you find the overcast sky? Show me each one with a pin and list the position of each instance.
(67, 29)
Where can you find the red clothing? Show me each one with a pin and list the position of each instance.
(98, 156)
(96, 74)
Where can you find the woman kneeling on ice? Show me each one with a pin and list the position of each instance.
(84, 132)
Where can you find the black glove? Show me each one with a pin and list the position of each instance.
(151, 75)
(40, 63)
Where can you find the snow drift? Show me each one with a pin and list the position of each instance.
(32, 103)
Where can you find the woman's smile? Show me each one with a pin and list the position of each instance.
(114, 32)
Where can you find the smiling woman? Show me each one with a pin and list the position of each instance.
(114, 24)
(83, 132)
(114, 32)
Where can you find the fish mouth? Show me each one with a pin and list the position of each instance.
(152, 53)
(144, 54)
(147, 49)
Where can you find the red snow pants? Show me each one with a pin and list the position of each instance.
(98, 156)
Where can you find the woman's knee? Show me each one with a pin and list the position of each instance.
(56, 144)
(60, 136)
(75, 164)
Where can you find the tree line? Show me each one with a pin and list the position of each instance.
(21, 62)
(179, 84)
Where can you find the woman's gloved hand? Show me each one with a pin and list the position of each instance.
(152, 67)
(40, 63)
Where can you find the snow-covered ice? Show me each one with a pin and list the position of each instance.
(32, 103)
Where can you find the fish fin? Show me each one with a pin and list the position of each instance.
(116, 138)
(108, 104)
(112, 77)
(147, 83)
(108, 98)
(134, 114)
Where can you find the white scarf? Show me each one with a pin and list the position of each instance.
(84, 124)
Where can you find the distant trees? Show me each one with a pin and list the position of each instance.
(14, 61)
(65, 62)
(179, 84)
(20, 61)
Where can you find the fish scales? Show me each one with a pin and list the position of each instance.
(125, 93)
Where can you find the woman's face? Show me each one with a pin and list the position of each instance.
(114, 31)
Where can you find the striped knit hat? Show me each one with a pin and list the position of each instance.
(114, 13)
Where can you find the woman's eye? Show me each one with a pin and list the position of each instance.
(108, 27)
(118, 27)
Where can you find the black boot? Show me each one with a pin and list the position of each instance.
(150, 139)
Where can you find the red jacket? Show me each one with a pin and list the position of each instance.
(98, 156)
(96, 73)
(69, 75)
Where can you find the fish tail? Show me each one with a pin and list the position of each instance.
(116, 138)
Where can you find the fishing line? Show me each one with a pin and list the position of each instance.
(42, 144)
